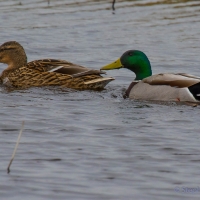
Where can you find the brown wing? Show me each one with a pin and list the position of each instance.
(62, 67)
(173, 80)
(25, 77)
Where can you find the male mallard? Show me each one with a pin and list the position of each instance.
(161, 87)
(21, 74)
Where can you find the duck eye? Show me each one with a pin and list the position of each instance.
(130, 53)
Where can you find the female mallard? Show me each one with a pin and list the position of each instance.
(160, 87)
(47, 72)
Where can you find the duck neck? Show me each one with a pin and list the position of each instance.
(142, 70)
(17, 61)
(143, 74)
(14, 63)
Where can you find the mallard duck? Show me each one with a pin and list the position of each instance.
(46, 72)
(160, 87)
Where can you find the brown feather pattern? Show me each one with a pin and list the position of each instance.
(35, 74)
(46, 72)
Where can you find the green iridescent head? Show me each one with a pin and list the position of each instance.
(133, 60)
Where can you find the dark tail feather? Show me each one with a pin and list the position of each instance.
(195, 90)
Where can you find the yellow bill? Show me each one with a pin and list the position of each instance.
(115, 65)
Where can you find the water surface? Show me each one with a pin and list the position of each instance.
(97, 145)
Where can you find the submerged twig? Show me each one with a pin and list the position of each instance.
(17, 143)
(113, 5)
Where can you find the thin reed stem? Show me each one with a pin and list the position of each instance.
(17, 143)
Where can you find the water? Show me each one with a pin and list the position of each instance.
(97, 145)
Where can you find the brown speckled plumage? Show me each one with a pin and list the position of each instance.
(46, 72)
